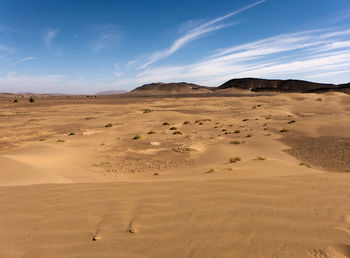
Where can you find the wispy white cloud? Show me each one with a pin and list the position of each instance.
(340, 16)
(28, 58)
(306, 54)
(105, 36)
(324, 74)
(191, 35)
(49, 36)
(3, 48)
(117, 71)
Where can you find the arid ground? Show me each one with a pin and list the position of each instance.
(254, 176)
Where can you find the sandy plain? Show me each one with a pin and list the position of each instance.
(254, 176)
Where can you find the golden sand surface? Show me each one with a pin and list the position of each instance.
(250, 176)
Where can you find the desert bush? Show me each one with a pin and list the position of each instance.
(202, 120)
(234, 159)
(291, 122)
(304, 164)
(109, 125)
(177, 132)
(165, 123)
(249, 135)
(147, 110)
(211, 170)
(173, 128)
(60, 140)
(284, 130)
(245, 119)
(260, 158)
(15, 101)
(31, 99)
(151, 132)
(72, 133)
(137, 137)
(237, 131)
(237, 142)
(319, 99)
(187, 122)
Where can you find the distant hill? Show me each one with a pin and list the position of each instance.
(111, 92)
(171, 88)
(258, 85)
(245, 84)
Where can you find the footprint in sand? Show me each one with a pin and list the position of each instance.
(335, 251)
(318, 253)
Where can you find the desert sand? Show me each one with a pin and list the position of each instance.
(253, 176)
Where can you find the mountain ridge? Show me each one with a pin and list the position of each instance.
(248, 84)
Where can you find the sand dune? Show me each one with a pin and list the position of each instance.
(262, 176)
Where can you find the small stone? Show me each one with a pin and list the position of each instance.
(132, 229)
(96, 238)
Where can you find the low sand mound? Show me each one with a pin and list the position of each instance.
(14, 172)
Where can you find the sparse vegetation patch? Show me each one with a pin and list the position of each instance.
(234, 159)
(304, 164)
(137, 137)
(237, 142)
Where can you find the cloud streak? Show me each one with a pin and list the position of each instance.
(49, 36)
(193, 34)
(320, 54)
(105, 36)
(25, 59)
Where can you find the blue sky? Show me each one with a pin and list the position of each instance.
(90, 46)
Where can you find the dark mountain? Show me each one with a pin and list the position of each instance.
(248, 84)
(258, 85)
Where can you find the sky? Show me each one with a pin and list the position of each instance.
(84, 46)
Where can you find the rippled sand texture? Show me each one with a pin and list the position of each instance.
(262, 176)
